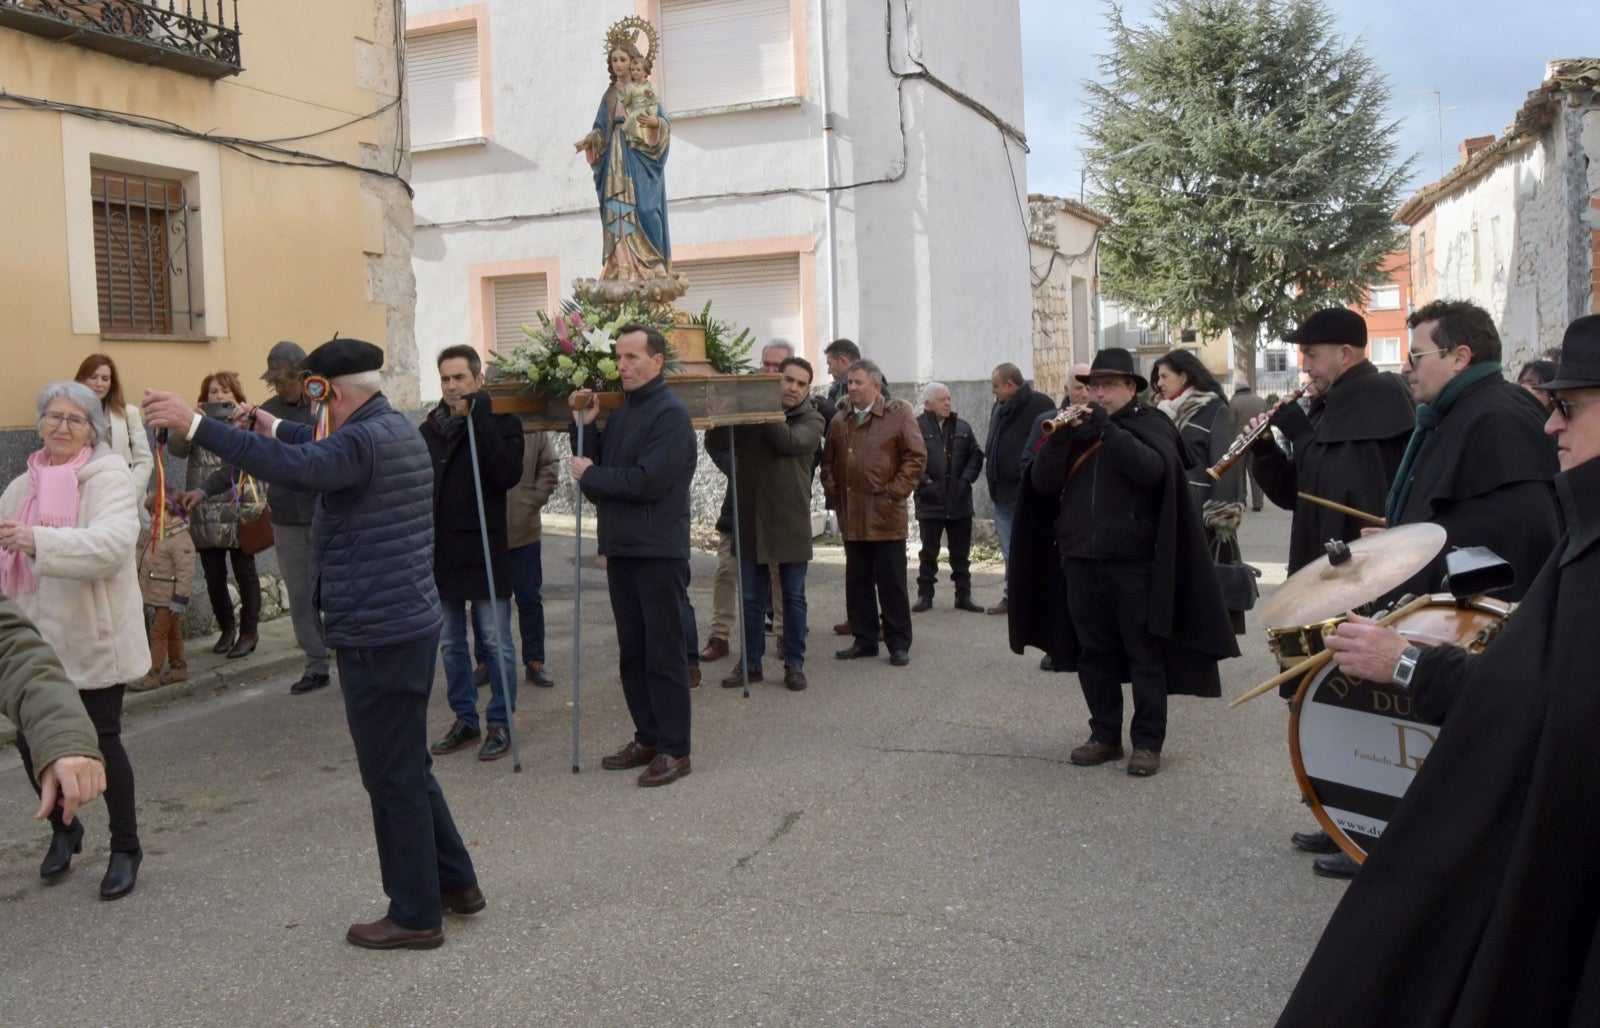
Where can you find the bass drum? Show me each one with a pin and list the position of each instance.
(1356, 745)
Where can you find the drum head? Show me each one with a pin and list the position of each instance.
(1356, 746)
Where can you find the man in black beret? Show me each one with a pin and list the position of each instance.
(372, 541)
(1345, 448)
(1479, 904)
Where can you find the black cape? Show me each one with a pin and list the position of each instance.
(1484, 475)
(1480, 904)
(1347, 450)
(1186, 606)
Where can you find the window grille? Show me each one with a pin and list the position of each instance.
(142, 254)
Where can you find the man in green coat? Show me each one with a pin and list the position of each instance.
(36, 696)
(773, 482)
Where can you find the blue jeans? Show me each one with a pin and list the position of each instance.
(457, 657)
(1004, 514)
(757, 582)
(527, 582)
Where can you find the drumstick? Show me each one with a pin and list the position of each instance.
(1349, 512)
(1315, 663)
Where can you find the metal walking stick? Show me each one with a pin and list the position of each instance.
(738, 562)
(494, 620)
(577, 589)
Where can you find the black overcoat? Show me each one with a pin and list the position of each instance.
(1347, 450)
(1186, 609)
(1480, 904)
(1484, 475)
(457, 540)
(1009, 423)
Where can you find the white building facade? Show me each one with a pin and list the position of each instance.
(1515, 227)
(830, 174)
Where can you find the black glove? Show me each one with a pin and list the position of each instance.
(1092, 427)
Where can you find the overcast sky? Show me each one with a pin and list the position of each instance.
(1484, 56)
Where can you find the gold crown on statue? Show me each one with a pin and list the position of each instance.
(627, 31)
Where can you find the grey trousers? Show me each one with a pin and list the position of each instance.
(293, 543)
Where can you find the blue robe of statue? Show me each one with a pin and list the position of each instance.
(630, 182)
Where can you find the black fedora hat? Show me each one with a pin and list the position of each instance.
(1580, 356)
(1114, 362)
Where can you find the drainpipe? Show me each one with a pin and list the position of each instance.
(832, 252)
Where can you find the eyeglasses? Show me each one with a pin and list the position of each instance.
(55, 418)
(1424, 353)
(1565, 407)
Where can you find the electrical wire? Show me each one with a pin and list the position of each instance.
(255, 149)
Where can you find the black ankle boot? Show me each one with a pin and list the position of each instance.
(58, 858)
(225, 640)
(121, 874)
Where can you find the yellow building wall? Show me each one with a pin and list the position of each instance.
(294, 241)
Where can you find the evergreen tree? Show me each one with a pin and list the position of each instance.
(1268, 185)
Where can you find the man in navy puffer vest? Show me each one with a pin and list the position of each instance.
(372, 544)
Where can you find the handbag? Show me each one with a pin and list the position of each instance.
(1237, 579)
(255, 534)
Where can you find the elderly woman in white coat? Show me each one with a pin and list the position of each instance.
(67, 536)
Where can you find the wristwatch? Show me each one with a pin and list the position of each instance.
(1406, 667)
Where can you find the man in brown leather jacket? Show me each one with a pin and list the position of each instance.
(871, 463)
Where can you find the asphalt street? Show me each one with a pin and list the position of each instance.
(893, 846)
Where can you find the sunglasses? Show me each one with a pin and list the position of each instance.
(1415, 354)
(1565, 407)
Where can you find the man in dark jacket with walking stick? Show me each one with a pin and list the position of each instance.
(458, 547)
(637, 473)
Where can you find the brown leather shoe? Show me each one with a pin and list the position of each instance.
(1003, 607)
(794, 679)
(1095, 752)
(1144, 763)
(151, 680)
(736, 680)
(177, 671)
(716, 649)
(694, 676)
(467, 901)
(664, 770)
(385, 934)
(631, 755)
(842, 628)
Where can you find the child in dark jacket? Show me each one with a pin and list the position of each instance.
(166, 570)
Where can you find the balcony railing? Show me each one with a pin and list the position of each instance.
(165, 35)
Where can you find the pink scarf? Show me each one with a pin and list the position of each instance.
(51, 502)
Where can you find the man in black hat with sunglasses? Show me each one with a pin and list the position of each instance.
(372, 540)
(1141, 591)
(1480, 904)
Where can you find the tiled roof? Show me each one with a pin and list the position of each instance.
(1577, 79)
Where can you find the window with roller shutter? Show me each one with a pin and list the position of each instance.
(758, 293)
(444, 86)
(721, 53)
(143, 254)
(517, 300)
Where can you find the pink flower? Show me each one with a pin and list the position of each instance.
(576, 319)
(566, 345)
(561, 333)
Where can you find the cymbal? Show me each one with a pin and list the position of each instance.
(1378, 563)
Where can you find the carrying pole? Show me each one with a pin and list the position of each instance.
(577, 591)
(497, 671)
